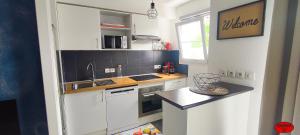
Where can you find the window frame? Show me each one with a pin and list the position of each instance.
(199, 16)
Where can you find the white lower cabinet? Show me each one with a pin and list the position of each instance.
(85, 113)
(122, 109)
(175, 84)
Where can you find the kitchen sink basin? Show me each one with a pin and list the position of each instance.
(104, 82)
(84, 85)
(97, 83)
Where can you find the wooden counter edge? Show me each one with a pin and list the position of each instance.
(165, 77)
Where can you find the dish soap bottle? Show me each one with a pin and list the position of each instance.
(119, 71)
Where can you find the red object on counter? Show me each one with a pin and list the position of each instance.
(168, 64)
(168, 46)
(169, 68)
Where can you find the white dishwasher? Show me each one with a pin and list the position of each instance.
(122, 109)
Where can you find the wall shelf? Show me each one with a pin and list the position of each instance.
(116, 24)
(116, 49)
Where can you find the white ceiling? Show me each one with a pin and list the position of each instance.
(173, 3)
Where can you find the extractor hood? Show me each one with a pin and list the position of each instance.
(145, 37)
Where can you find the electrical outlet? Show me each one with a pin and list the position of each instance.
(107, 70)
(112, 70)
(249, 76)
(239, 75)
(157, 66)
(223, 73)
(230, 74)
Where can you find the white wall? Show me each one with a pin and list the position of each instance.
(219, 117)
(49, 67)
(246, 54)
(296, 119)
(190, 7)
(271, 89)
(214, 118)
(294, 68)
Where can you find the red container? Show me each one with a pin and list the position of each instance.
(284, 127)
(168, 46)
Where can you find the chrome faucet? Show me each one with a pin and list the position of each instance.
(90, 65)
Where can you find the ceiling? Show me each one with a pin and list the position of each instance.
(173, 3)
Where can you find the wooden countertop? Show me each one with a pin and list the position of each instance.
(164, 77)
(120, 82)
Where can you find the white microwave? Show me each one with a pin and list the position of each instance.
(114, 42)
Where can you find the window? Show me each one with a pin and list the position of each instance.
(193, 37)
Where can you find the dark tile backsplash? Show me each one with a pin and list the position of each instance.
(69, 65)
(133, 63)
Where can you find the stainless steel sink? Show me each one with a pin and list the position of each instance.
(83, 85)
(104, 82)
(92, 84)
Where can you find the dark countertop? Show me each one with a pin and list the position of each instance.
(185, 99)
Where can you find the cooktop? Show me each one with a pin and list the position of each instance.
(144, 77)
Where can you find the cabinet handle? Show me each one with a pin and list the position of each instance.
(148, 95)
(134, 28)
(102, 96)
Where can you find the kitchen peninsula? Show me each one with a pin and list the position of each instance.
(188, 113)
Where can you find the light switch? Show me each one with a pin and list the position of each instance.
(223, 73)
(250, 76)
(107, 70)
(231, 74)
(239, 75)
(112, 70)
(157, 66)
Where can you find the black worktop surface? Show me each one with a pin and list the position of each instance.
(184, 99)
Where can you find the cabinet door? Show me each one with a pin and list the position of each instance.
(78, 28)
(142, 25)
(85, 113)
(175, 84)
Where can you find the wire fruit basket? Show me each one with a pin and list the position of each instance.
(206, 83)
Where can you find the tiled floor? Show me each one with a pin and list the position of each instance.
(158, 125)
(153, 125)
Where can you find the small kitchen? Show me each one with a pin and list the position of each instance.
(112, 65)
(149, 67)
(137, 69)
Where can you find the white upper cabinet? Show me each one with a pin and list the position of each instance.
(142, 25)
(78, 28)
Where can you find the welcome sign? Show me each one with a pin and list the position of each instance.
(242, 21)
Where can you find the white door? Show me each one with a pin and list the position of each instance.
(85, 113)
(142, 25)
(78, 28)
